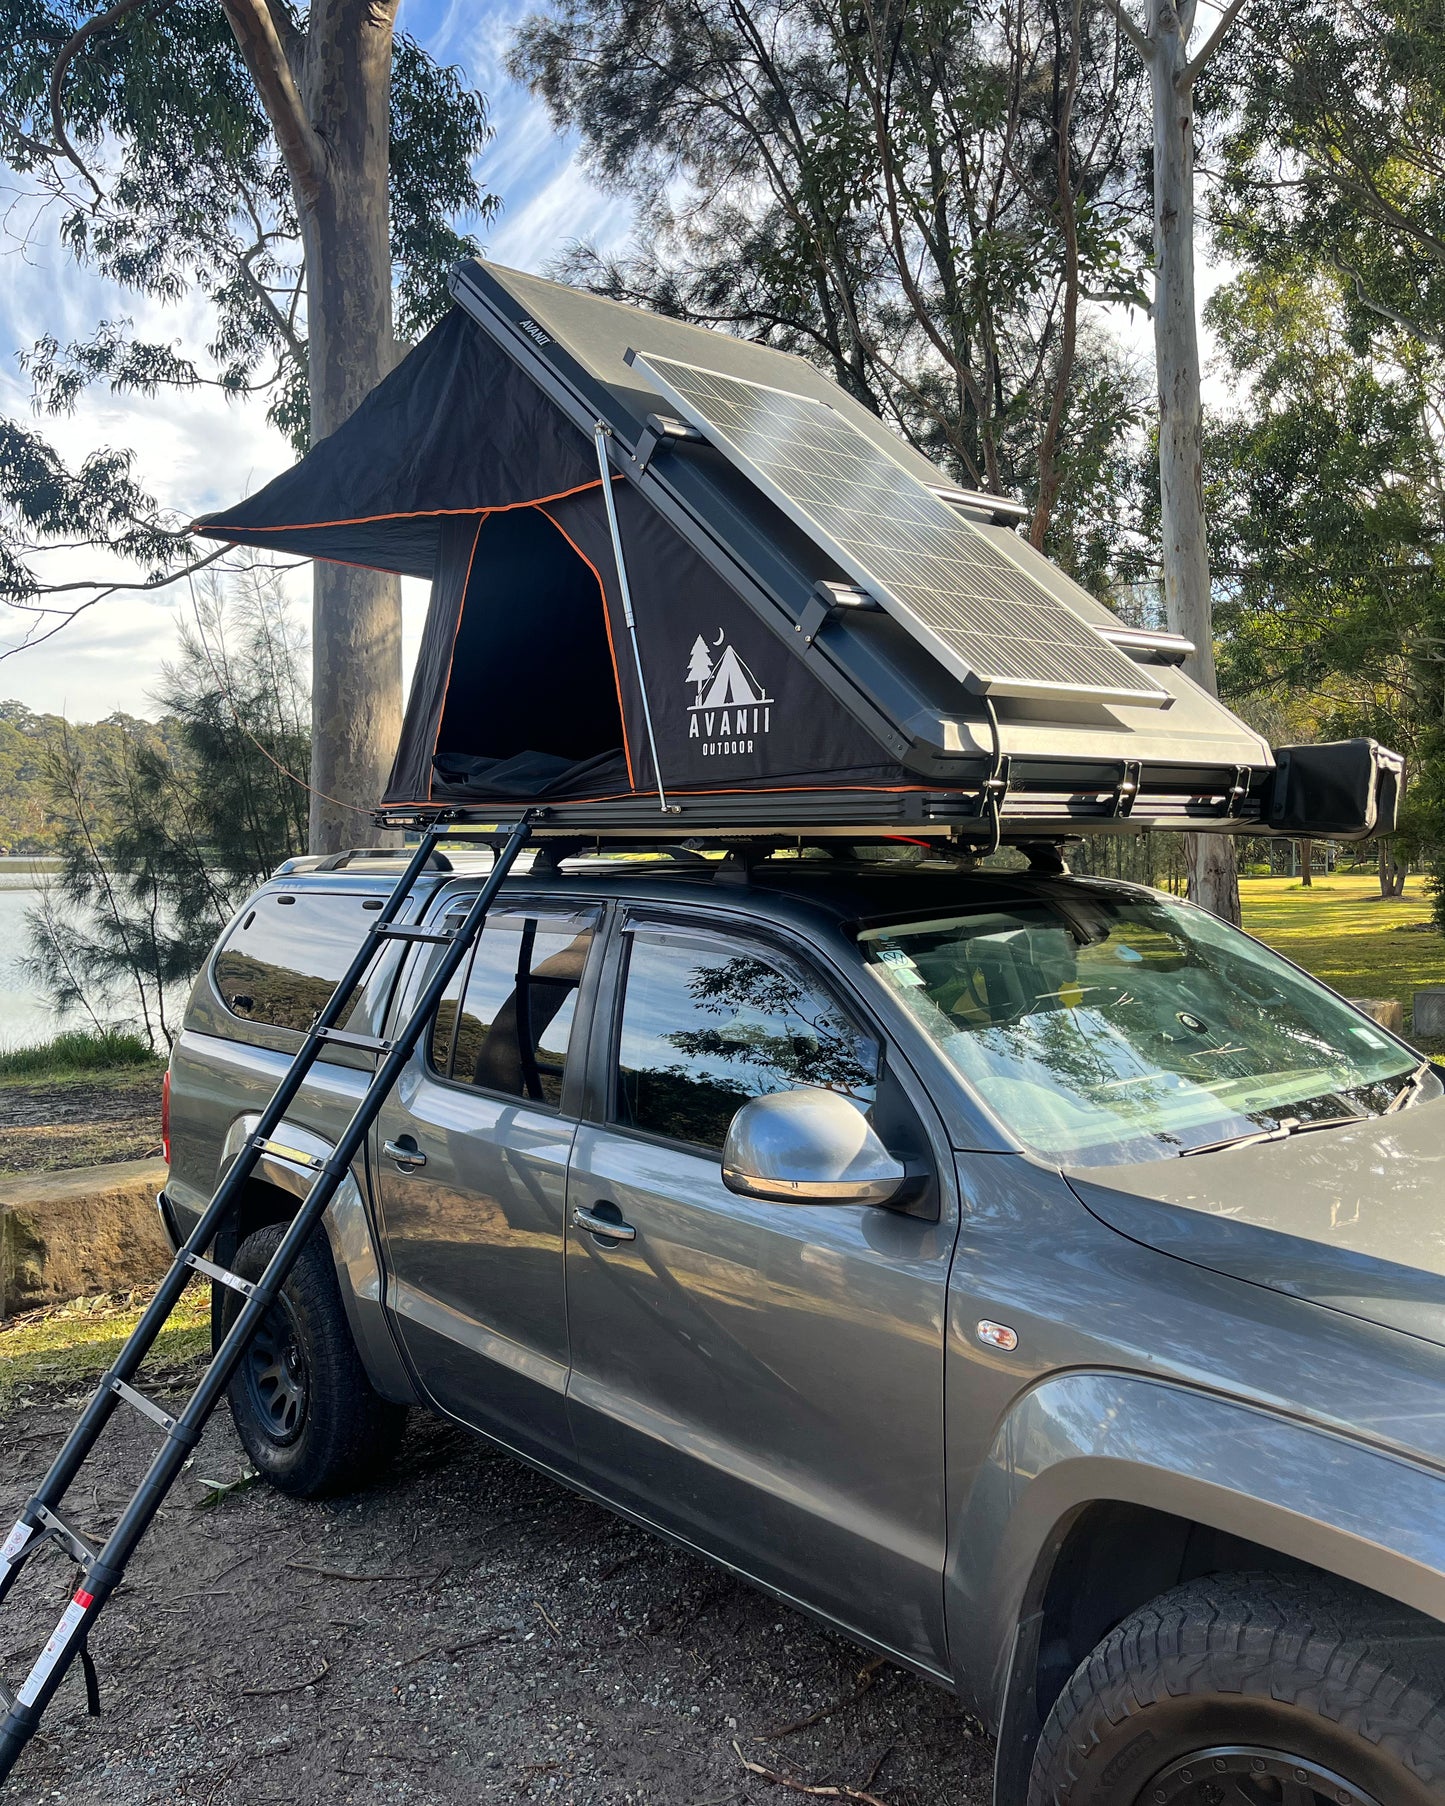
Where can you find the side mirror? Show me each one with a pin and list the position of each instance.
(808, 1147)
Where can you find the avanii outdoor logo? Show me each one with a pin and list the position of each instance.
(729, 709)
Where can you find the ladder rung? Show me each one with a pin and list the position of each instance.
(222, 1275)
(399, 931)
(343, 1038)
(281, 1152)
(77, 1546)
(146, 1406)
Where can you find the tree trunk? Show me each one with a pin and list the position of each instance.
(326, 87)
(1306, 863)
(1393, 871)
(1213, 879)
(346, 230)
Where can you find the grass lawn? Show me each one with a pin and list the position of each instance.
(1343, 931)
(70, 1344)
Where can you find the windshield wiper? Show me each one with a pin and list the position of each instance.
(1280, 1132)
(1408, 1089)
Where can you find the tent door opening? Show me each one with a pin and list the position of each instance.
(531, 703)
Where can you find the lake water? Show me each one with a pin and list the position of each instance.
(25, 1014)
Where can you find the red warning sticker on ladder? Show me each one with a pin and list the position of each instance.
(12, 1546)
(60, 1640)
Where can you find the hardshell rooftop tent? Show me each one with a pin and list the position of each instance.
(688, 651)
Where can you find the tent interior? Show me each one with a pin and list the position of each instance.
(523, 709)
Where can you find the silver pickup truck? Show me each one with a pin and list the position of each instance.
(1033, 1278)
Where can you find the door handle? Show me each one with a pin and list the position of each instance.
(613, 1228)
(407, 1155)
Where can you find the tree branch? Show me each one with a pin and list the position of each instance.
(1133, 32)
(68, 53)
(101, 583)
(264, 54)
(1428, 335)
(1191, 69)
(294, 343)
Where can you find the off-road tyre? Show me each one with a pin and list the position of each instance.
(303, 1407)
(1253, 1690)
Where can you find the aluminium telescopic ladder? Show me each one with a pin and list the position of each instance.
(40, 1524)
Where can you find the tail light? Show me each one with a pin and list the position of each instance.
(166, 1117)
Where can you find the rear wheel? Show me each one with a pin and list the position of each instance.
(304, 1409)
(1253, 1690)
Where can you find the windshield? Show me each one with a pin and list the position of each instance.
(1109, 1027)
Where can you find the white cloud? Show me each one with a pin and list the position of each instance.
(195, 451)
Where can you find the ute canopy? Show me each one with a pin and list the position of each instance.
(752, 689)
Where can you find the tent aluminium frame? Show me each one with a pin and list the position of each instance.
(975, 795)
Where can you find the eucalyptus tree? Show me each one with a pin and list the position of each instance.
(927, 199)
(1163, 36)
(1329, 544)
(1330, 135)
(304, 174)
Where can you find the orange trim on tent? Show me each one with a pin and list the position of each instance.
(611, 647)
(451, 659)
(360, 520)
(762, 790)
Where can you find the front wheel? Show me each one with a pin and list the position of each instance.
(303, 1407)
(1253, 1690)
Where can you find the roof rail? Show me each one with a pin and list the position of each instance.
(335, 862)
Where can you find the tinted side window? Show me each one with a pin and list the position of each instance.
(518, 1006)
(705, 1029)
(283, 959)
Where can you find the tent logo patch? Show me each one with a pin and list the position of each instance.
(729, 710)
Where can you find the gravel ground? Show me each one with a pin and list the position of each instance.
(467, 1631)
(79, 1121)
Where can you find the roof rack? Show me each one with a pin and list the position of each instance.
(336, 862)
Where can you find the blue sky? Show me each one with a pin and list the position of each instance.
(198, 451)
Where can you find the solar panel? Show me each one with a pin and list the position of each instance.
(989, 622)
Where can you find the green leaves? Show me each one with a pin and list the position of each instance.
(920, 198)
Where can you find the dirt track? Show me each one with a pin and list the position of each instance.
(523, 1645)
(79, 1122)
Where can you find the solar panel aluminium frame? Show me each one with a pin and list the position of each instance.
(1132, 688)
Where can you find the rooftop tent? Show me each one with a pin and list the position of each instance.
(764, 688)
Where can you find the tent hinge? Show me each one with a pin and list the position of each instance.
(1127, 788)
(1238, 791)
(994, 787)
(663, 429)
(826, 600)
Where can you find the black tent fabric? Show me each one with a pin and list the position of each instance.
(455, 429)
(457, 467)
(776, 694)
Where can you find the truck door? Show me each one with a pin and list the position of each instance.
(764, 1379)
(471, 1154)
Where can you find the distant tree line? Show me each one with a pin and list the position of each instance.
(161, 828)
(934, 199)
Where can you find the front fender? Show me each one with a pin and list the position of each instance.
(353, 1248)
(1083, 1437)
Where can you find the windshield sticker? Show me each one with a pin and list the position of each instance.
(900, 966)
(1369, 1037)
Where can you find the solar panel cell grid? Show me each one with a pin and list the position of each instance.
(987, 620)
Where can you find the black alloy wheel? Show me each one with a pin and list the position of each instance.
(1243, 1775)
(277, 1374)
(304, 1407)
